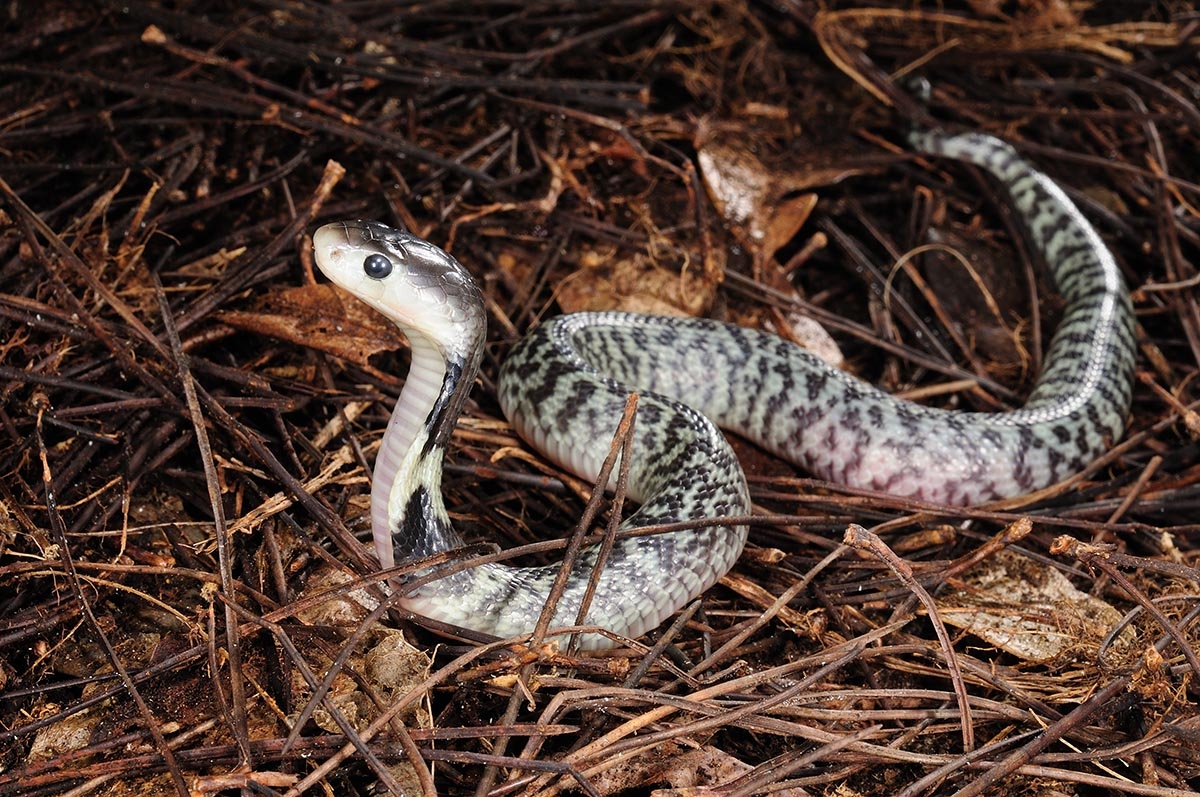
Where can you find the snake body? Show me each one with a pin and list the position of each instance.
(564, 389)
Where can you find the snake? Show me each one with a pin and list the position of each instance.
(564, 388)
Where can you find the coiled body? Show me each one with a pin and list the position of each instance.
(564, 389)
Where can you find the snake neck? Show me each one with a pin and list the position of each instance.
(406, 494)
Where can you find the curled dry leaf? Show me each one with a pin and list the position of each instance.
(764, 204)
(1030, 610)
(71, 733)
(319, 317)
(385, 662)
(687, 771)
(612, 279)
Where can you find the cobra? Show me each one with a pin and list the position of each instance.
(564, 388)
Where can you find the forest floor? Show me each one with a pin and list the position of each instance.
(189, 412)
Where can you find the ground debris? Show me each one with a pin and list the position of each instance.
(187, 600)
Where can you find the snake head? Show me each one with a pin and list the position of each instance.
(414, 283)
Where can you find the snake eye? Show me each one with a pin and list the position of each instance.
(377, 266)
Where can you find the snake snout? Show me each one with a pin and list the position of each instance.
(330, 244)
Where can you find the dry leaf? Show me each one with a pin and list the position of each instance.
(764, 204)
(1029, 610)
(686, 770)
(385, 662)
(320, 317)
(632, 282)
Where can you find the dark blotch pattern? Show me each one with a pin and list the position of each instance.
(565, 385)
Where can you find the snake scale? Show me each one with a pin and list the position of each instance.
(564, 388)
